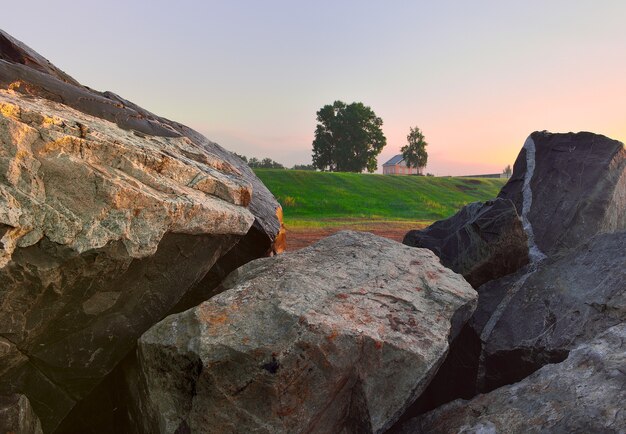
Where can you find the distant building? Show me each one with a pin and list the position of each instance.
(397, 166)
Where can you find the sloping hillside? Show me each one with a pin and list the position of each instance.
(328, 199)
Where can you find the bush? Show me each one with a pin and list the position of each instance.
(287, 201)
(303, 167)
(255, 163)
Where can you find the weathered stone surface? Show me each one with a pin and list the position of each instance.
(342, 335)
(27, 73)
(568, 190)
(483, 241)
(17, 416)
(81, 182)
(578, 185)
(583, 394)
(108, 216)
(533, 318)
(14, 51)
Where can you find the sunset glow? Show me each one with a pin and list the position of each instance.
(475, 78)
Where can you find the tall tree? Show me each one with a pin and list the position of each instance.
(348, 138)
(414, 153)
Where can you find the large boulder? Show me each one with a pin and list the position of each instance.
(535, 317)
(483, 241)
(17, 416)
(570, 190)
(570, 193)
(342, 335)
(569, 187)
(109, 215)
(583, 394)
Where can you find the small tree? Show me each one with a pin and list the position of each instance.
(507, 171)
(348, 138)
(414, 153)
(268, 163)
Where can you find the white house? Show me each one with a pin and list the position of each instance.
(397, 166)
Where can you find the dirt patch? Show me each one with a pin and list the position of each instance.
(298, 238)
(463, 187)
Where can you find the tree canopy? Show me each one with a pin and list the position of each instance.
(414, 153)
(303, 167)
(265, 163)
(348, 138)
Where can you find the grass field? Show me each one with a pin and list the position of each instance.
(318, 199)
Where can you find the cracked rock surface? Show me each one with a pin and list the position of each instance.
(583, 394)
(17, 416)
(109, 215)
(342, 335)
(483, 241)
(578, 188)
(567, 301)
(570, 193)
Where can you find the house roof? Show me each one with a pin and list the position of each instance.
(394, 160)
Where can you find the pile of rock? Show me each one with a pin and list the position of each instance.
(109, 216)
(569, 191)
(112, 218)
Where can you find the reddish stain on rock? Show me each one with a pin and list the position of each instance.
(285, 411)
(331, 337)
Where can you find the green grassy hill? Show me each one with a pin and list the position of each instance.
(323, 199)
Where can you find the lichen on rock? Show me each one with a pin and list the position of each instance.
(83, 182)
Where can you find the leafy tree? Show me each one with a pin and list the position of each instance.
(507, 171)
(348, 138)
(266, 163)
(414, 153)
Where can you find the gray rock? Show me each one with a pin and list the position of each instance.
(483, 241)
(342, 335)
(27, 73)
(569, 190)
(109, 215)
(533, 318)
(583, 394)
(578, 188)
(17, 416)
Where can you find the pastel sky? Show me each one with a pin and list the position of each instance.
(477, 77)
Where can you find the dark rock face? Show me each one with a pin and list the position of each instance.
(569, 191)
(585, 393)
(16, 52)
(482, 241)
(578, 188)
(83, 334)
(17, 416)
(342, 335)
(536, 318)
(104, 227)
